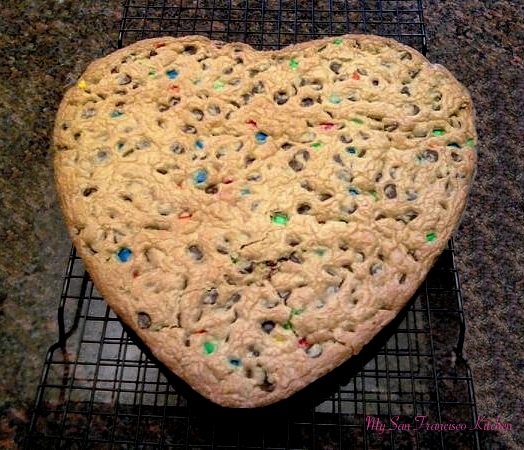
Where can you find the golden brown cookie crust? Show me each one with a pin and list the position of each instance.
(257, 217)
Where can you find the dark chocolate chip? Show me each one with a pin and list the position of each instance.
(284, 295)
(323, 196)
(305, 184)
(268, 325)
(212, 189)
(280, 97)
(198, 114)
(214, 110)
(210, 297)
(190, 49)
(430, 155)
(143, 320)
(390, 191)
(189, 129)
(177, 148)
(296, 165)
(88, 191)
(345, 139)
(295, 257)
(303, 208)
(314, 351)
(308, 101)
(123, 79)
(195, 252)
(335, 67)
(266, 386)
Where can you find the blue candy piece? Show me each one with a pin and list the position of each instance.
(199, 144)
(353, 191)
(261, 137)
(200, 176)
(172, 74)
(124, 254)
(234, 362)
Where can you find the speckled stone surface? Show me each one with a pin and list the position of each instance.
(44, 47)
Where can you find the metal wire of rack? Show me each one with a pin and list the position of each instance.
(101, 389)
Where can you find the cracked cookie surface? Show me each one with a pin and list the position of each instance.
(257, 217)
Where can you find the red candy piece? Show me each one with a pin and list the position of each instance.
(184, 215)
(160, 44)
(327, 126)
(227, 180)
(356, 76)
(135, 274)
(302, 342)
(175, 88)
(251, 123)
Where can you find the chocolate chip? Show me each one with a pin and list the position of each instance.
(210, 297)
(306, 102)
(430, 155)
(268, 325)
(296, 165)
(247, 267)
(88, 191)
(303, 208)
(305, 184)
(314, 351)
(177, 148)
(280, 97)
(123, 79)
(375, 269)
(284, 295)
(390, 191)
(295, 257)
(345, 139)
(335, 67)
(266, 386)
(214, 110)
(195, 252)
(143, 320)
(198, 114)
(212, 189)
(190, 49)
(323, 196)
(189, 129)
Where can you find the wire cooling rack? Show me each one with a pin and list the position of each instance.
(100, 389)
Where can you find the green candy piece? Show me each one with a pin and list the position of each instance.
(438, 132)
(279, 218)
(209, 347)
(218, 85)
(317, 145)
(470, 143)
(297, 311)
(287, 325)
(430, 237)
(293, 64)
(374, 195)
(334, 99)
(357, 121)
(338, 41)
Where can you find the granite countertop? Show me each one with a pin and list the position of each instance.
(45, 45)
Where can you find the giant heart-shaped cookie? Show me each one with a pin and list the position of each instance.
(257, 217)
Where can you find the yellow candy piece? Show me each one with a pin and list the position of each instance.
(82, 84)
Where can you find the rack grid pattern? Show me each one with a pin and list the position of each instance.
(101, 389)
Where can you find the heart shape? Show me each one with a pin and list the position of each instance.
(257, 217)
